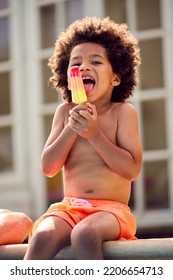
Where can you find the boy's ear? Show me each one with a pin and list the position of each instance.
(116, 80)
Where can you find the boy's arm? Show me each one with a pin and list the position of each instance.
(58, 145)
(125, 157)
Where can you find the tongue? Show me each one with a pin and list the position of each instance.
(88, 88)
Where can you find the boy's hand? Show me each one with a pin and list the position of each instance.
(83, 120)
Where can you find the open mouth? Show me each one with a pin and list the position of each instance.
(89, 84)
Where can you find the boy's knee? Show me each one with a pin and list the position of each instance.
(84, 234)
(40, 239)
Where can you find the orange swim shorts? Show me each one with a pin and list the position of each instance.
(73, 210)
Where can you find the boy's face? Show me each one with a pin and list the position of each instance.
(96, 70)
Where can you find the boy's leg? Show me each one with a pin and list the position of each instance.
(51, 235)
(88, 235)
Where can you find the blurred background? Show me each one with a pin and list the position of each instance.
(28, 30)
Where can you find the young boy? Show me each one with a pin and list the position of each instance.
(97, 143)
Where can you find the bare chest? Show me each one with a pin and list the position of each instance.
(82, 148)
(108, 125)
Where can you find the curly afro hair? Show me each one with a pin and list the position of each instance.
(122, 50)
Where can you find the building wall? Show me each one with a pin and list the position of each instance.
(28, 30)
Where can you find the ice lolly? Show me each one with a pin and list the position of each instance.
(77, 87)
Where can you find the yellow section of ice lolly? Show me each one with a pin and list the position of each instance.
(77, 87)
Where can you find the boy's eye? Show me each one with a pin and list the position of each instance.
(75, 64)
(96, 62)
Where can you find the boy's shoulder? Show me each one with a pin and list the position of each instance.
(123, 107)
(64, 108)
(124, 112)
(62, 112)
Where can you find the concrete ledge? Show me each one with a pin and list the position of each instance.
(12, 251)
(141, 249)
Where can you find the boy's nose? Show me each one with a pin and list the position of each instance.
(84, 67)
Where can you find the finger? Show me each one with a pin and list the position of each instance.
(79, 116)
(74, 115)
(73, 124)
(79, 107)
(91, 108)
(85, 114)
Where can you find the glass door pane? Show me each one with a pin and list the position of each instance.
(47, 26)
(55, 184)
(116, 10)
(151, 68)
(50, 95)
(4, 4)
(54, 188)
(154, 125)
(73, 10)
(148, 14)
(4, 39)
(156, 185)
(6, 160)
(4, 94)
(132, 196)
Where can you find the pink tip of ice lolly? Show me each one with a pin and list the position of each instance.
(77, 86)
(74, 71)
